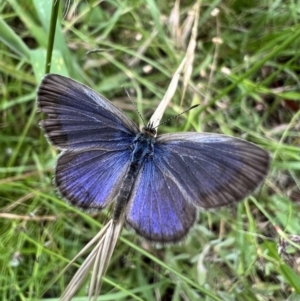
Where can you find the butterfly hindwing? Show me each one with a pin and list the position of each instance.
(91, 179)
(157, 208)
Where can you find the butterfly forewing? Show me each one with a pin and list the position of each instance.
(80, 118)
(213, 170)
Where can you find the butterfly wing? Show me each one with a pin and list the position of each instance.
(80, 118)
(94, 135)
(157, 208)
(91, 179)
(213, 169)
(188, 170)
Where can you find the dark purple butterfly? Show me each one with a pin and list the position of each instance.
(159, 182)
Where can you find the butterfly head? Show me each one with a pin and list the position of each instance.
(149, 130)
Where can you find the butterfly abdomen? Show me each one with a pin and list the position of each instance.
(123, 196)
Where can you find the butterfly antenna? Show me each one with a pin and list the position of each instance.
(134, 104)
(192, 107)
(99, 50)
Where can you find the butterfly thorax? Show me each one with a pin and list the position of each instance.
(142, 148)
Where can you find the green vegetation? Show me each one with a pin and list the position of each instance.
(246, 78)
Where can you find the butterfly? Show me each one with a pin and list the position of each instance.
(157, 182)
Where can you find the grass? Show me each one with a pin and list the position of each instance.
(245, 76)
